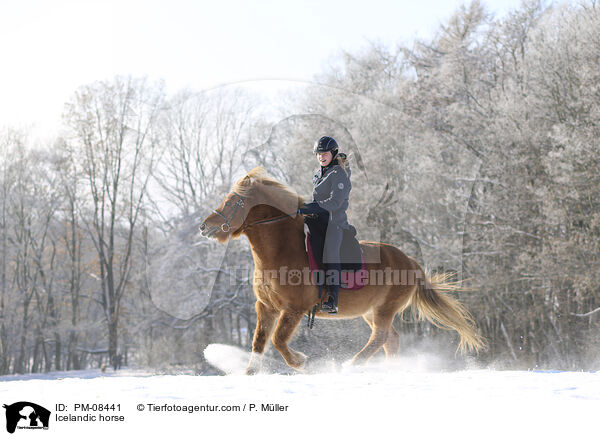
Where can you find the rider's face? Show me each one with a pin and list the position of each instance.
(324, 158)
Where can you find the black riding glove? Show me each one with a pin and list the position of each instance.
(311, 208)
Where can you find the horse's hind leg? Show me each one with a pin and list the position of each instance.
(288, 321)
(392, 345)
(382, 322)
(265, 321)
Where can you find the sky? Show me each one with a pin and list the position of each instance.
(50, 48)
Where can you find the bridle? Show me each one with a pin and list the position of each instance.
(226, 226)
(239, 205)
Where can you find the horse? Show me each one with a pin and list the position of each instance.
(264, 210)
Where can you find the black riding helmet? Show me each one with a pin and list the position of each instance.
(326, 143)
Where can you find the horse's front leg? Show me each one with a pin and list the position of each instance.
(288, 321)
(265, 321)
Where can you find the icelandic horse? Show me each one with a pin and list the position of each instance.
(264, 210)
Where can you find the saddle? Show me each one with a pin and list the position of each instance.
(352, 262)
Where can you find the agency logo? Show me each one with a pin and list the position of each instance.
(26, 415)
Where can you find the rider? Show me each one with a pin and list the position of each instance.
(330, 199)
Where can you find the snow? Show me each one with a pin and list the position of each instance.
(401, 397)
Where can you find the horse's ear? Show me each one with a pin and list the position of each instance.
(246, 181)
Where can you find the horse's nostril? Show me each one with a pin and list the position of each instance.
(202, 226)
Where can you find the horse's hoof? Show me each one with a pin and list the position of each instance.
(299, 361)
(255, 364)
(358, 362)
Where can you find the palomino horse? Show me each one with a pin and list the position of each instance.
(265, 211)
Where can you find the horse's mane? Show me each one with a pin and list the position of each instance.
(259, 175)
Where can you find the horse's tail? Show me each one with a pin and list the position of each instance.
(432, 302)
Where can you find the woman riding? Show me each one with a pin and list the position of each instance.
(330, 200)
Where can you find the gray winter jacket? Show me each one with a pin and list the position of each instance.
(331, 191)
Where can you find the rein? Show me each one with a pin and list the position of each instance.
(267, 220)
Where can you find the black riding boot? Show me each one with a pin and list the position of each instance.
(333, 286)
(331, 305)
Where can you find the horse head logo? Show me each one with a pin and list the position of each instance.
(27, 414)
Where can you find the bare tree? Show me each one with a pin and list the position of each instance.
(115, 125)
(208, 135)
(71, 239)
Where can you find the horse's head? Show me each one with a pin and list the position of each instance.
(254, 197)
(226, 219)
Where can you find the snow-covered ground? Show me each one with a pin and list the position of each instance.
(404, 397)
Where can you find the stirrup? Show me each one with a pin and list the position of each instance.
(329, 307)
